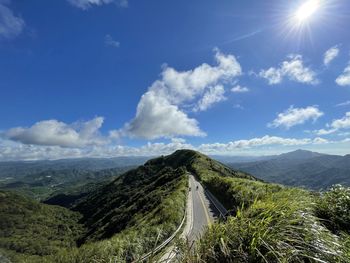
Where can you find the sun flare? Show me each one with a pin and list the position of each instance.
(306, 10)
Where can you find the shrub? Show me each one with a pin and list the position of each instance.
(333, 207)
(279, 227)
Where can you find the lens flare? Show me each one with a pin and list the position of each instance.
(306, 10)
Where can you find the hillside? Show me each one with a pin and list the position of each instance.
(301, 168)
(29, 227)
(123, 219)
(130, 214)
(44, 184)
(272, 223)
(18, 169)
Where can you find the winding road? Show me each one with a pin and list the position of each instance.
(202, 209)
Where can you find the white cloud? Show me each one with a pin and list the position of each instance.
(160, 111)
(344, 78)
(336, 125)
(343, 123)
(330, 54)
(55, 133)
(239, 89)
(296, 116)
(319, 140)
(266, 140)
(293, 69)
(345, 103)
(86, 4)
(10, 25)
(213, 95)
(273, 75)
(109, 41)
(324, 131)
(156, 117)
(10, 150)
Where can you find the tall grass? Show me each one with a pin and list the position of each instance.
(272, 224)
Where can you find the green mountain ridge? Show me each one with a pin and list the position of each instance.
(301, 168)
(123, 219)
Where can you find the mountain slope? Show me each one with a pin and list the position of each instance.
(273, 223)
(123, 219)
(30, 227)
(131, 214)
(301, 168)
(128, 216)
(111, 208)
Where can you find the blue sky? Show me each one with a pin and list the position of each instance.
(103, 78)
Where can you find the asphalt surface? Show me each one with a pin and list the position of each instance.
(203, 210)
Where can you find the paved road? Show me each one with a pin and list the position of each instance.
(201, 212)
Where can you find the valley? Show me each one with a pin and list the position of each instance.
(229, 215)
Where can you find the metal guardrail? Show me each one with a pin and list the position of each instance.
(164, 244)
(222, 210)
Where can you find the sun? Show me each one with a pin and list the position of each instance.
(306, 10)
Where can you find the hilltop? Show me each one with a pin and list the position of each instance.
(124, 218)
(131, 207)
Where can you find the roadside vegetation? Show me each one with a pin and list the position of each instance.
(121, 220)
(116, 222)
(273, 223)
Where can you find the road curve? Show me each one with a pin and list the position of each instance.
(202, 209)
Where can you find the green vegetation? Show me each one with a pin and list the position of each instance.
(301, 169)
(272, 223)
(120, 220)
(32, 228)
(49, 183)
(142, 234)
(334, 208)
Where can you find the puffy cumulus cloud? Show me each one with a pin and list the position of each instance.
(293, 69)
(10, 25)
(86, 4)
(156, 117)
(161, 110)
(239, 89)
(210, 97)
(56, 133)
(273, 75)
(336, 125)
(330, 54)
(296, 116)
(344, 78)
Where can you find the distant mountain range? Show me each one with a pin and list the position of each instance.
(300, 168)
(125, 216)
(22, 168)
(128, 214)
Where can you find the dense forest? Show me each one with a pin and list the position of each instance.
(120, 216)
